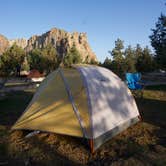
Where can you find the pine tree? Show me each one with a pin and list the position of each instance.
(118, 65)
(145, 61)
(107, 63)
(117, 52)
(130, 59)
(138, 51)
(158, 40)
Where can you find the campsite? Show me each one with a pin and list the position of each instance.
(141, 144)
(83, 83)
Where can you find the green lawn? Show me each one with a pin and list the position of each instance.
(141, 144)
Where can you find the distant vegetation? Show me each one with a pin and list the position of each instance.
(11, 60)
(44, 60)
(15, 59)
(129, 59)
(72, 57)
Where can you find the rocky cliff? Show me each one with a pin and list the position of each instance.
(60, 39)
(4, 44)
(20, 42)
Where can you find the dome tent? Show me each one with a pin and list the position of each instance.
(83, 101)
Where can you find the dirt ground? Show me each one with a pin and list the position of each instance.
(141, 144)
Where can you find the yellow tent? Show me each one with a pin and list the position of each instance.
(83, 101)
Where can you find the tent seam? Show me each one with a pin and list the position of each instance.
(88, 97)
(71, 99)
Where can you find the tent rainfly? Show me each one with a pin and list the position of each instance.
(84, 101)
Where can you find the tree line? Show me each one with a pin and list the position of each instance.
(129, 59)
(45, 60)
(138, 59)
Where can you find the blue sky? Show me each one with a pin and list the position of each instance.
(103, 20)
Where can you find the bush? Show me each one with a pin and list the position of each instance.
(72, 57)
(44, 60)
(11, 60)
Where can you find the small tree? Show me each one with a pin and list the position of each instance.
(25, 65)
(117, 52)
(93, 62)
(137, 51)
(87, 59)
(72, 57)
(12, 59)
(50, 57)
(44, 60)
(130, 59)
(118, 64)
(36, 60)
(107, 63)
(145, 62)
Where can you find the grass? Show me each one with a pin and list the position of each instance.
(11, 84)
(157, 87)
(141, 144)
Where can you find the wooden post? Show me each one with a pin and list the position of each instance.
(91, 143)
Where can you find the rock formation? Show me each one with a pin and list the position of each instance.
(4, 44)
(60, 39)
(20, 42)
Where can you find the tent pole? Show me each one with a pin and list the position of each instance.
(91, 143)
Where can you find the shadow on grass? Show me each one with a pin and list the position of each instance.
(156, 87)
(152, 111)
(12, 106)
(46, 149)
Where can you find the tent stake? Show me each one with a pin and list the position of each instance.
(91, 142)
(31, 134)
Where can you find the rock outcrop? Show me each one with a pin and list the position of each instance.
(4, 44)
(20, 42)
(62, 41)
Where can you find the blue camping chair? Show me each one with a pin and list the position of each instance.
(133, 81)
